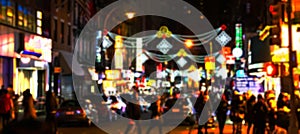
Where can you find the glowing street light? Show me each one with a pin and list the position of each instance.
(189, 43)
(130, 15)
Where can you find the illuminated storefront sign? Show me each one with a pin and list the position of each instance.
(210, 62)
(285, 35)
(39, 45)
(108, 84)
(238, 51)
(113, 74)
(296, 38)
(296, 5)
(281, 55)
(249, 83)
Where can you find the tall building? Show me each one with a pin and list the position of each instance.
(25, 46)
(68, 19)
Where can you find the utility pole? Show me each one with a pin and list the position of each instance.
(293, 128)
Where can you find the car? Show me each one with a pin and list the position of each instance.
(70, 112)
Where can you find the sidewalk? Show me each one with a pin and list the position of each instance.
(40, 117)
(227, 130)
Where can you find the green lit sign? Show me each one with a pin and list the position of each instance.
(238, 40)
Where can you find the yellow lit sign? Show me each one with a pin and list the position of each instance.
(281, 55)
(210, 63)
(181, 53)
(113, 74)
(39, 14)
(151, 82)
(297, 71)
(108, 84)
(119, 42)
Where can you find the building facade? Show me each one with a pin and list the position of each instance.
(25, 52)
(68, 19)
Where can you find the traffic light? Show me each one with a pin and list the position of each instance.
(275, 11)
(275, 37)
(271, 69)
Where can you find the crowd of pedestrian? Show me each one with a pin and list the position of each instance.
(260, 113)
(9, 109)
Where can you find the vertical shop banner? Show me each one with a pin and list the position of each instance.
(118, 53)
(139, 51)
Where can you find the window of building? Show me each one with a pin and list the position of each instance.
(30, 21)
(25, 18)
(7, 12)
(10, 13)
(69, 35)
(62, 32)
(55, 30)
(62, 2)
(69, 6)
(20, 16)
(3, 5)
(75, 14)
(39, 17)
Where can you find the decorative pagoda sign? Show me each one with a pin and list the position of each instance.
(223, 38)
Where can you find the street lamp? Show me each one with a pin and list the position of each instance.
(130, 15)
(189, 43)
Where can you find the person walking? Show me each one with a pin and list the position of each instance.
(260, 112)
(221, 113)
(51, 106)
(204, 111)
(14, 97)
(249, 118)
(237, 112)
(157, 111)
(29, 123)
(6, 107)
(133, 112)
(29, 111)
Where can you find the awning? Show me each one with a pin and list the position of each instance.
(75, 67)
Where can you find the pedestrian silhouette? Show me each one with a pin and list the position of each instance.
(29, 124)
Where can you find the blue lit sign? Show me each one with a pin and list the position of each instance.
(31, 53)
(249, 83)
